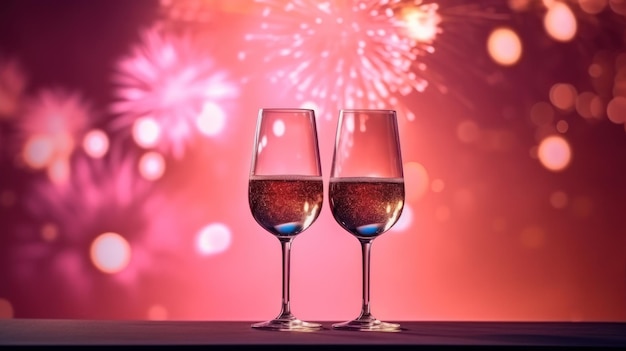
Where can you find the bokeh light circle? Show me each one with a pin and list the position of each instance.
(437, 185)
(618, 6)
(541, 113)
(151, 165)
(146, 132)
(213, 239)
(559, 199)
(518, 5)
(560, 22)
(49, 232)
(38, 151)
(589, 105)
(96, 143)
(211, 120)
(554, 153)
(593, 7)
(616, 110)
(504, 46)
(563, 96)
(110, 252)
(595, 70)
(467, 131)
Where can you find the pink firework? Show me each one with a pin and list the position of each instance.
(170, 80)
(49, 129)
(104, 197)
(345, 54)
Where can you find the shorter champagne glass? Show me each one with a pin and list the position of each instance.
(366, 190)
(285, 190)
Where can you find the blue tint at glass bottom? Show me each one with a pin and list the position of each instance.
(289, 228)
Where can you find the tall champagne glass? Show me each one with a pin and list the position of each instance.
(366, 190)
(285, 190)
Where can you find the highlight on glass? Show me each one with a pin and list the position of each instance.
(366, 190)
(285, 191)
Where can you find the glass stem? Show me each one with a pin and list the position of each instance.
(285, 243)
(365, 309)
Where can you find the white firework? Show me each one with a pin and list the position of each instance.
(345, 54)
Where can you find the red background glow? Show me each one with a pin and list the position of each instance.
(511, 117)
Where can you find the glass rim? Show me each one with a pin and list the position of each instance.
(285, 109)
(351, 110)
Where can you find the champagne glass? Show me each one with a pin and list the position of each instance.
(366, 190)
(285, 190)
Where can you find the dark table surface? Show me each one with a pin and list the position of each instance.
(425, 333)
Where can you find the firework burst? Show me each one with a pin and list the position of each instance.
(167, 79)
(104, 196)
(345, 54)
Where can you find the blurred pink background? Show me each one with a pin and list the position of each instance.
(126, 131)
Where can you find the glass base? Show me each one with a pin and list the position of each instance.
(368, 324)
(287, 324)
